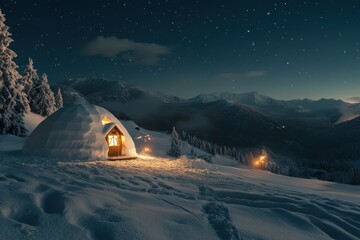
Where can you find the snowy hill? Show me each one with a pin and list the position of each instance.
(31, 120)
(155, 197)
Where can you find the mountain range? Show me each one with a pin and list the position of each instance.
(313, 129)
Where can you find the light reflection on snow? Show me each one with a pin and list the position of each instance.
(145, 163)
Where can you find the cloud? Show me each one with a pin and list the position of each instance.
(352, 100)
(251, 74)
(143, 53)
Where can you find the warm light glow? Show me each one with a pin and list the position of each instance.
(122, 139)
(260, 161)
(105, 120)
(147, 149)
(147, 157)
(113, 140)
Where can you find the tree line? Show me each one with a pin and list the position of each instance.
(328, 170)
(243, 156)
(20, 94)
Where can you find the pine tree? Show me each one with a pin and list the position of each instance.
(30, 78)
(13, 101)
(42, 98)
(174, 150)
(59, 103)
(192, 152)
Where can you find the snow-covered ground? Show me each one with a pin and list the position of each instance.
(155, 197)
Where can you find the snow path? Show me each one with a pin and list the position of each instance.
(159, 198)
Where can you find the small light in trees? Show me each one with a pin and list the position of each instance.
(147, 149)
(260, 161)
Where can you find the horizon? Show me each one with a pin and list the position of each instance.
(286, 50)
(351, 100)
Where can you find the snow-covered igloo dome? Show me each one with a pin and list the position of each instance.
(81, 131)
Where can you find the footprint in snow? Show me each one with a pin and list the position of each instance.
(29, 216)
(16, 178)
(53, 202)
(219, 218)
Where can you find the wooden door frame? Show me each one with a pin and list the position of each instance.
(115, 131)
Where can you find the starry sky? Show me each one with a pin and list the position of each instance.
(283, 49)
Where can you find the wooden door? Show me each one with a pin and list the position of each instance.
(114, 141)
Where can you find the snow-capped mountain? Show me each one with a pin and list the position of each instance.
(323, 111)
(273, 108)
(99, 89)
(250, 98)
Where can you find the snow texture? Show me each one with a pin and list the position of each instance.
(76, 132)
(160, 198)
(154, 197)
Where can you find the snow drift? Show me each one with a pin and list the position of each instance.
(76, 132)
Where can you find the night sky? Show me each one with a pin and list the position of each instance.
(284, 49)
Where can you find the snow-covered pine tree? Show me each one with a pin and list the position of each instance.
(192, 152)
(183, 135)
(216, 149)
(221, 151)
(59, 103)
(42, 98)
(13, 101)
(30, 78)
(174, 150)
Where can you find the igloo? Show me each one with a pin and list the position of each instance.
(81, 131)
